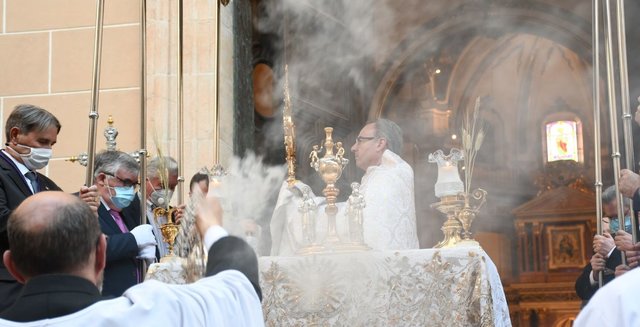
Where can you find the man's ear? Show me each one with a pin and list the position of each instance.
(8, 262)
(382, 144)
(13, 134)
(100, 179)
(101, 255)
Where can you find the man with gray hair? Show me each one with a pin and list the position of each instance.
(387, 185)
(116, 176)
(30, 133)
(606, 257)
(162, 179)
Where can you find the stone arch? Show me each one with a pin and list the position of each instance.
(539, 19)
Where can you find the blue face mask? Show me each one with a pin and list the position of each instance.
(123, 197)
(614, 225)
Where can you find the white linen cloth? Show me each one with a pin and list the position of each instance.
(389, 214)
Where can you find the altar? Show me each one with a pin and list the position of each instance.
(431, 287)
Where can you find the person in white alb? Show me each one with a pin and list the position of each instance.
(63, 276)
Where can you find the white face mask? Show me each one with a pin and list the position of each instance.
(37, 158)
(160, 197)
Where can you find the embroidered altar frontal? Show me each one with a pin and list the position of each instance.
(431, 287)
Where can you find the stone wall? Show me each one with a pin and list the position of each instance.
(46, 51)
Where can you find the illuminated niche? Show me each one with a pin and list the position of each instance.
(563, 140)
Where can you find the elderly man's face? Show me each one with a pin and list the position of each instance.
(155, 184)
(368, 148)
(611, 209)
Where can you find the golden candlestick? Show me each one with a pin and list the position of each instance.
(450, 205)
(472, 203)
(330, 168)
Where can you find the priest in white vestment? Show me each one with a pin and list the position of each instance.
(389, 215)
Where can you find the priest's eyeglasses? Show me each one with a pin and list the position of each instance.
(362, 139)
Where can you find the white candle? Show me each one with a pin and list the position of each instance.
(449, 182)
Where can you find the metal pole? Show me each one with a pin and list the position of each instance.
(95, 89)
(627, 120)
(142, 154)
(216, 87)
(613, 114)
(180, 104)
(595, 36)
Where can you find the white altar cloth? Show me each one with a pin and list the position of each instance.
(431, 287)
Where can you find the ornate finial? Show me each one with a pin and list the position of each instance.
(110, 133)
(81, 159)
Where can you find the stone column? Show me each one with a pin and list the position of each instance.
(199, 73)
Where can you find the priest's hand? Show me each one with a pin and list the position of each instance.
(629, 183)
(91, 197)
(623, 241)
(603, 244)
(209, 214)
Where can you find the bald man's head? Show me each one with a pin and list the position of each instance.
(52, 232)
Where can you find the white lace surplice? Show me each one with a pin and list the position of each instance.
(390, 213)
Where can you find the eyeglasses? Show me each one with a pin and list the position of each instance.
(125, 182)
(361, 139)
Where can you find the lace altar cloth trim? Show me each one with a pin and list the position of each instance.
(431, 287)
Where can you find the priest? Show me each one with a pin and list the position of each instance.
(389, 216)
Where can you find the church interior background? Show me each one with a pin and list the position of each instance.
(422, 64)
(419, 63)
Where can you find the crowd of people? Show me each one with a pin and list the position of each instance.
(76, 258)
(613, 304)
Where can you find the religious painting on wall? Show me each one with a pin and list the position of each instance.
(562, 140)
(566, 246)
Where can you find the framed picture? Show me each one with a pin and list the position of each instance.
(566, 246)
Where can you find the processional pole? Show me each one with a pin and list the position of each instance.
(216, 86)
(95, 90)
(180, 104)
(626, 111)
(612, 97)
(142, 153)
(596, 119)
